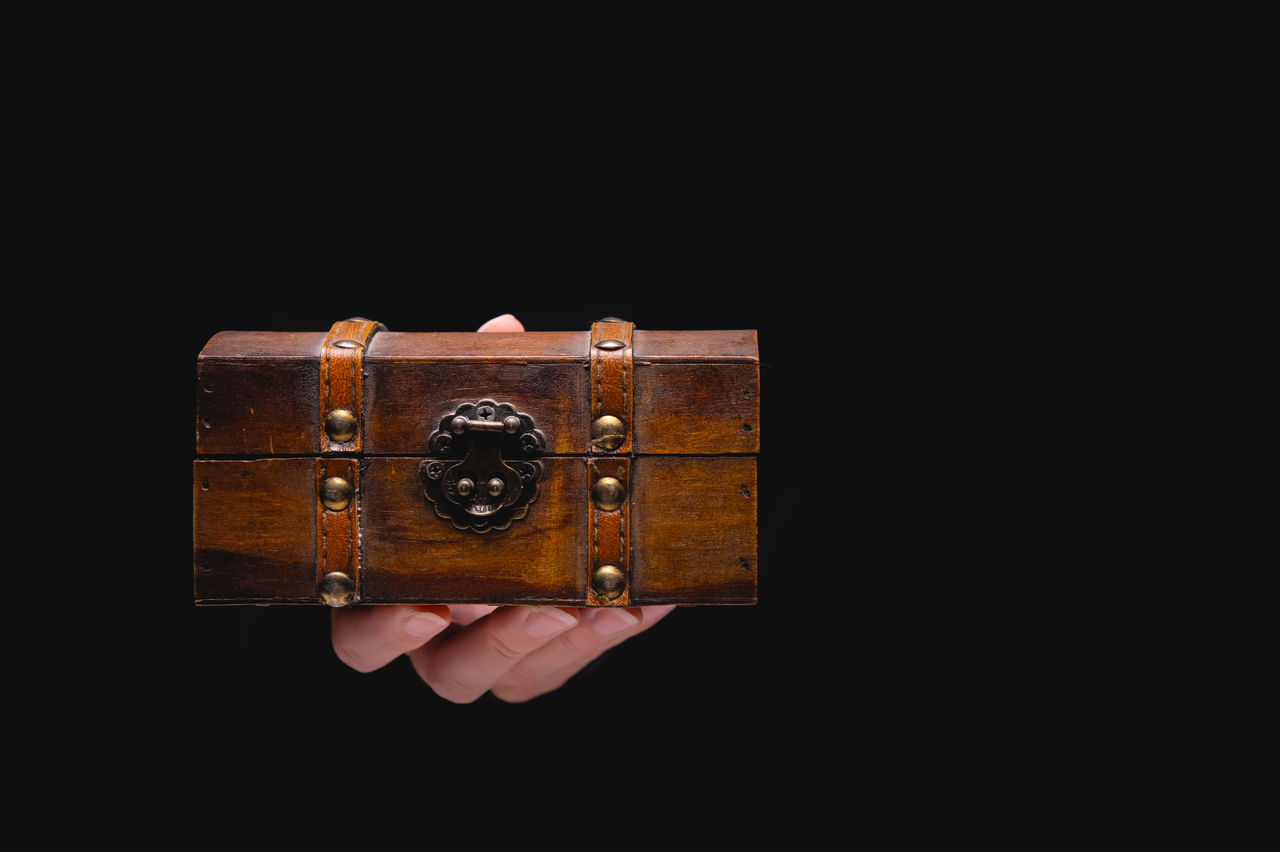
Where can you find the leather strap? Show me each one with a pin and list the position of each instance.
(611, 396)
(337, 536)
(611, 378)
(341, 378)
(610, 529)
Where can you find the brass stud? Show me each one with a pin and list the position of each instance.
(612, 319)
(608, 493)
(348, 343)
(610, 344)
(335, 493)
(608, 432)
(357, 319)
(337, 589)
(340, 425)
(608, 582)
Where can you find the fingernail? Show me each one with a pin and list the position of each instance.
(548, 621)
(612, 621)
(424, 624)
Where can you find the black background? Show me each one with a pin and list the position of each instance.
(833, 225)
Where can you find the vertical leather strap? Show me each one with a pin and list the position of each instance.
(341, 379)
(337, 532)
(609, 467)
(610, 530)
(611, 381)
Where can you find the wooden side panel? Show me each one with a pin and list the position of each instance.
(404, 402)
(255, 530)
(693, 530)
(411, 555)
(258, 406)
(697, 408)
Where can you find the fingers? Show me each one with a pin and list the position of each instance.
(463, 614)
(517, 652)
(552, 665)
(368, 637)
(506, 322)
(466, 665)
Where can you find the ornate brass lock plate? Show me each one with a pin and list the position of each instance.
(483, 477)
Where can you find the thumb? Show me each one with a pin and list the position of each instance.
(506, 322)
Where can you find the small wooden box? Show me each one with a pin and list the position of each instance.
(610, 467)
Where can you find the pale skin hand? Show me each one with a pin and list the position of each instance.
(462, 652)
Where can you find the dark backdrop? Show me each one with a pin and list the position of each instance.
(838, 243)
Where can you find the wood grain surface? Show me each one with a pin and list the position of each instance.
(254, 530)
(410, 554)
(697, 408)
(695, 539)
(404, 403)
(258, 406)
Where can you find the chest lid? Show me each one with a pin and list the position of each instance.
(688, 392)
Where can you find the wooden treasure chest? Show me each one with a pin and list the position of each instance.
(609, 467)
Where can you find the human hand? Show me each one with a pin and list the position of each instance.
(464, 651)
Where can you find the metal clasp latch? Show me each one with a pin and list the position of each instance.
(483, 480)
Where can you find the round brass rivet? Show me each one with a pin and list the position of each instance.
(495, 486)
(336, 589)
(340, 425)
(458, 425)
(348, 343)
(335, 493)
(608, 582)
(611, 319)
(608, 432)
(511, 424)
(608, 493)
(357, 319)
(610, 344)
(465, 487)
